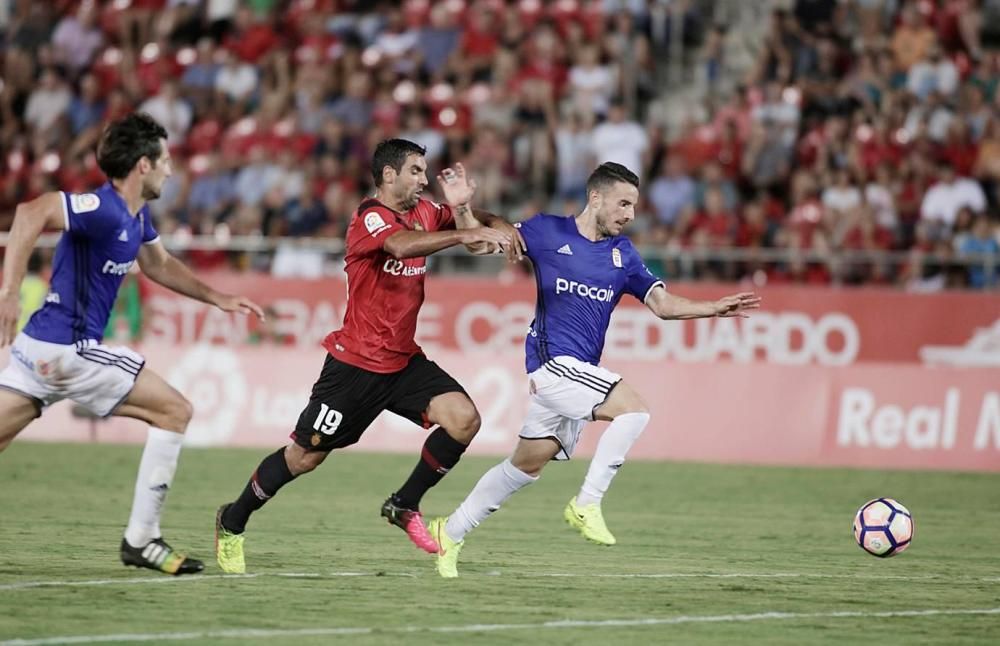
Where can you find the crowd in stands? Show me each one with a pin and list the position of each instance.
(861, 125)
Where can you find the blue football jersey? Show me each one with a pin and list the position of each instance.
(93, 255)
(579, 283)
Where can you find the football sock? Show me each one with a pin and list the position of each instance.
(271, 475)
(441, 452)
(612, 448)
(493, 489)
(156, 473)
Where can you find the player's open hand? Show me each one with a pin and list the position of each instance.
(10, 312)
(457, 186)
(737, 304)
(229, 303)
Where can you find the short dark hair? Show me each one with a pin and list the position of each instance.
(608, 174)
(393, 152)
(128, 140)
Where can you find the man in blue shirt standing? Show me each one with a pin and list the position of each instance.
(59, 355)
(583, 265)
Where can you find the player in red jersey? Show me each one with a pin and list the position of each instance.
(373, 363)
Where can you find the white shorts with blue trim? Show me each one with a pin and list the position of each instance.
(98, 377)
(564, 393)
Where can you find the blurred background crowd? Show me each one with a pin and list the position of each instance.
(804, 141)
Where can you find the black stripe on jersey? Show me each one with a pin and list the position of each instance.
(110, 356)
(566, 375)
(580, 373)
(597, 382)
(543, 341)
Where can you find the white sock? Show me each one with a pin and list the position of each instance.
(493, 489)
(612, 448)
(156, 473)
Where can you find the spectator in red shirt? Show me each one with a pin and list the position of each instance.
(480, 41)
(252, 36)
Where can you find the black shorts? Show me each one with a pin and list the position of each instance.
(346, 399)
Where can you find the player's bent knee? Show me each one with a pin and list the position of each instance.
(621, 401)
(640, 407)
(471, 420)
(529, 467)
(460, 419)
(177, 415)
(300, 461)
(466, 424)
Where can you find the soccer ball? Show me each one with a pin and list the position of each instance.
(883, 527)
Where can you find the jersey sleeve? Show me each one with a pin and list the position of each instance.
(640, 280)
(86, 216)
(371, 228)
(149, 234)
(533, 232)
(442, 216)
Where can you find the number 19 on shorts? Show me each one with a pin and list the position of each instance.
(328, 419)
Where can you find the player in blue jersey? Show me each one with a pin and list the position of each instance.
(58, 355)
(583, 266)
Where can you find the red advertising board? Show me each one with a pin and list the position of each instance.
(797, 326)
(873, 415)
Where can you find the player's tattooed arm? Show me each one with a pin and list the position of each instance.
(30, 219)
(161, 267)
(671, 306)
(459, 188)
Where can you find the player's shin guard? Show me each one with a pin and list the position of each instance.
(156, 473)
(493, 489)
(614, 445)
(271, 475)
(441, 452)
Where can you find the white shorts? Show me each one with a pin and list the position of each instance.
(564, 393)
(96, 376)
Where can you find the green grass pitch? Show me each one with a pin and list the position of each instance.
(706, 555)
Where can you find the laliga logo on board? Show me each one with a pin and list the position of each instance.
(211, 377)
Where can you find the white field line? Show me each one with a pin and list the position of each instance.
(152, 579)
(272, 633)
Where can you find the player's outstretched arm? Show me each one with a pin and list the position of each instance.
(30, 219)
(516, 251)
(157, 263)
(670, 306)
(413, 244)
